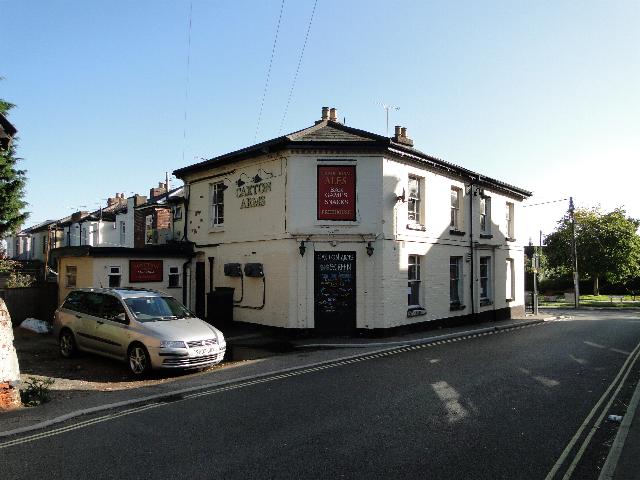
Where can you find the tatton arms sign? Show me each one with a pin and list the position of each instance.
(145, 271)
(337, 192)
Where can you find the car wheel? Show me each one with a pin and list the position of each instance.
(139, 360)
(67, 343)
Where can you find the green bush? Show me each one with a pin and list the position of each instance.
(36, 392)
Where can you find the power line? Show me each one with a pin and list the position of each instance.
(266, 83)
(295, 77)
(545, 203)
(186, 87)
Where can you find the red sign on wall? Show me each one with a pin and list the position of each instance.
(337, 192)
(145, 271)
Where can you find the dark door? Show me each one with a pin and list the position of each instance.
(200, 286)
(335, 291)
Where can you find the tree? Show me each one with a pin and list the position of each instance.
(608, 246)
(12, 182)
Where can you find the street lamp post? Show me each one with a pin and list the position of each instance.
(574, 255)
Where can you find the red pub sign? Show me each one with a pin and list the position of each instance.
(337, 192)
(145, 271)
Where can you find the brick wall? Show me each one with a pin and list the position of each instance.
(9, 370)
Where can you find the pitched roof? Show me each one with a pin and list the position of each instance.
(328, 133)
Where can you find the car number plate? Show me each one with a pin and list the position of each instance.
(201, 351)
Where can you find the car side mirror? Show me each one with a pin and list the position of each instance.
(122, 318)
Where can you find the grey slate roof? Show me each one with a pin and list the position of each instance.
(327, 133)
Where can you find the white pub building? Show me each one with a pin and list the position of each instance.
(335, 228)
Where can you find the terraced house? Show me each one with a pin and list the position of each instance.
(336, 228)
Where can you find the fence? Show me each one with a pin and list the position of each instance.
(34, 302)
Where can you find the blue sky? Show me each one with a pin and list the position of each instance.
(544, 95)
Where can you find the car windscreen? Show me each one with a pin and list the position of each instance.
(156, 308)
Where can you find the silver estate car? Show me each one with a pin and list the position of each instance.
(146, 328)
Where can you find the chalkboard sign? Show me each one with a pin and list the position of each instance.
(335, 291)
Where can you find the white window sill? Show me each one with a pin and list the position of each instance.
(216, 228)
(416, 226)
(415, 311)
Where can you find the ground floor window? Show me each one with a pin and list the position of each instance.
(174, 277)
(455, 282)
(115, 277)
(511, 278)
(413, 274)
(485, 281)
(71, 275)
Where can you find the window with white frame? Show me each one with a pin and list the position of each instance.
(414, 202)
(177, 212)
(148, 229)
(485, 281)
(455, 282)
(509, 220)
(485, 215)
(413, 274)
(95, 234)
(123, 233)
(174, 277)
(217, 203)
(71, 275)
(456, 204)
(115, 276)
(511, 280)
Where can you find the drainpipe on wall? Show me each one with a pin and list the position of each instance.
(473, 260)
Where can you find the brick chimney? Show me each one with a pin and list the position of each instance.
(161, 189)
(401, 136)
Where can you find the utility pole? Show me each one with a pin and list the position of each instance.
(574, 255)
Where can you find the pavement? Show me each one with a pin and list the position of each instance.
(257, 352)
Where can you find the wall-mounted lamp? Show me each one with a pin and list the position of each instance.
(302, 248)
(369, 249)
(401, 198)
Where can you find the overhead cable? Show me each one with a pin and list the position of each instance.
(266, 83)
(295, 77)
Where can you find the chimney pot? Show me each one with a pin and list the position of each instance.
(398, 131)
(333, 115)
(403, 131)
(325, 113)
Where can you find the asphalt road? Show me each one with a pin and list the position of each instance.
(497, 406)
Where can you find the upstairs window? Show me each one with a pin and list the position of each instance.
(148, 230)
(456, 203)
(217, 204)
(177, 212)
(509, 220)
(413, 274)
(485, 215)
(414, 202)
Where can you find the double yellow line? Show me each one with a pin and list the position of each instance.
(617, 383)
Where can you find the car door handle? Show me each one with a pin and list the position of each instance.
(100, 322)
(78, 316)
